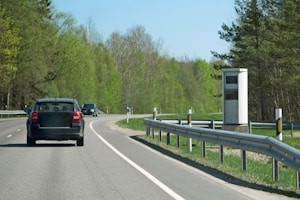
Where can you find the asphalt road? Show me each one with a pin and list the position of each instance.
(110, 165)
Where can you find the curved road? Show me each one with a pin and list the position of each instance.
(110, 165)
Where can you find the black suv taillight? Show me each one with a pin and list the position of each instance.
(76, 117)
(34, 118)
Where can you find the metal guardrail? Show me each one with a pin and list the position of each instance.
(269, 125)
(197, 123)
(12, 112)
(249, 142)
(219, 124)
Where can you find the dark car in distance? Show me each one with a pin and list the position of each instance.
(55, 119)
(90, 109)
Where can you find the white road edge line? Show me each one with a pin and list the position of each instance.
(137, 167)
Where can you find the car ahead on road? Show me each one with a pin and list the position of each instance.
(90, 109)
(55, 119)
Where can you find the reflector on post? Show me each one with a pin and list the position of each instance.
(278, 115)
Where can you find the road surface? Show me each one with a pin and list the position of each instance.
(110, 165)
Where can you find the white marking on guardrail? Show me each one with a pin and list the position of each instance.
(140, 169)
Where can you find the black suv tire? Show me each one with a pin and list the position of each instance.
(80, 141)
(30, 141)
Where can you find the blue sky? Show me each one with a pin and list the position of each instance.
(186, 28)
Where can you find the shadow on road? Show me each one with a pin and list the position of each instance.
(216, 173)
(37, 145)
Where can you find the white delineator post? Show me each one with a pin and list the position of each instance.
(154, 113)
(127, 114)
(154, 118)
(278, 115)
(189, 121)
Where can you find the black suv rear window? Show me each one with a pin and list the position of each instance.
(55, 106)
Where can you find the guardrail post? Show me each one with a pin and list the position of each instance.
(250, 127)
(275, 170)
(152, 133)
(244, 161)
(189, 118)
(159, 134)
(292, 129)
(212, 124)
(203, 149)
(177, 136)
(221, 153)
(147, 130)
(168, 138)
(298, 180)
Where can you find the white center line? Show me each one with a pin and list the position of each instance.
(140, 169)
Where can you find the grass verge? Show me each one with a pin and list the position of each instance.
(258, 174)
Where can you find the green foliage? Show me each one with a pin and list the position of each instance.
(258, 172)
(108, 91)
(9, 48)
(138, 123)
(35, 55)
(265, 39)
(53, 56)
(78, 73)
(287, 136)
(134, 124)
(58, 58)
(208, 90)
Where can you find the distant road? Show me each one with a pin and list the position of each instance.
(111, 165)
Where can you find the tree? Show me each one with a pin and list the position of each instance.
(9, 48)
(35, 48)
(54, 57)
(286, 58)
(134, 54)
(252, 39)
(205, 87)
(265, 39)
(108, 91)
(75, 69)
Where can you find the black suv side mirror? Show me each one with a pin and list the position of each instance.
(27, 110)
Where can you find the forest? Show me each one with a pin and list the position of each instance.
(45, 53)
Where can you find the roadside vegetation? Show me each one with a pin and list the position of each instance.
(46, 53)
(259, 167)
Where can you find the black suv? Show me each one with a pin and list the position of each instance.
(90, 109)
(55, 119)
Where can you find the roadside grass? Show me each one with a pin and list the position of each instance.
(258, 172)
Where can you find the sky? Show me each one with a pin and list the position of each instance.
(186, 28)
